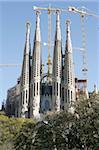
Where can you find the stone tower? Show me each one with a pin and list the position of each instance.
(35, 71)
(57, 66)
(69, 79)
(25, 75)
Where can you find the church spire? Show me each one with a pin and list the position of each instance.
(25, 75)
(69, 79)
(37, 31)
(35, 71)
(68, 38)
(58, 30)
(57, 65)
(27, 43)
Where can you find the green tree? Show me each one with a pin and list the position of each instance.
(8, 129)
(79, 130)
(62, 130)
(23, 138)
(43, 138)
(86, 124)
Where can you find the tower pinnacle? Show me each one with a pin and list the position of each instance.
(37, 32)
(69, 79)
(68, 38)
(25, 75)
(58, 30)
(57, 65)
(27, 43)
(35, 71)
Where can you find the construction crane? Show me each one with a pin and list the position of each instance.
(49, 31)
(74, 48)
(49, 10)
(10, 65)
(83, 13)
(53, 10)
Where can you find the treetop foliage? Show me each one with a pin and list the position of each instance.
(62, 130)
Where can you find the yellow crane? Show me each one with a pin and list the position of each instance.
(73, 9)
(49, 10)
(82, 13)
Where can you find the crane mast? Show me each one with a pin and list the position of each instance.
(49, 31)
(84, 69)
(83, 13)
(49, 12)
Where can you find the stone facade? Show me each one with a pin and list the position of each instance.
(37, 92)
(12, 107)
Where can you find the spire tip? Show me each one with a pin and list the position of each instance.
(58, 11)
(28, 24)
(38, 12)
(68, 21)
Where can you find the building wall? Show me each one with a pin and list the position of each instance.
(13, 101)
(43, 96)
(17, 101)
(10, 102)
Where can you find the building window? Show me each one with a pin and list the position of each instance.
(62, 107)
(57, 88)
(60, 90)
(47, 105)
(63, 94)
(54, 88)
(26, 96)
(71, 95)
(37, 88)
(23, 96)
(68, 96)
(31, 90)
(34, 89)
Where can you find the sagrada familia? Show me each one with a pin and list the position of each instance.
(39, 92)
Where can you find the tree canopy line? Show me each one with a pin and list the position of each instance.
(58, 131)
